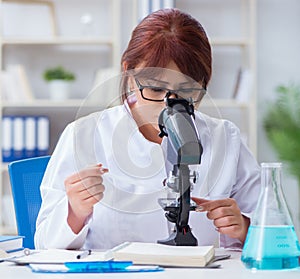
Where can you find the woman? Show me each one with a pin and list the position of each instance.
(105, 176)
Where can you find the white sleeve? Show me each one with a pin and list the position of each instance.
(245, 191)
(247, 187)
(52, 229)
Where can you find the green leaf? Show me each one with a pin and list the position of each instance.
(58, 73)
(282, 126)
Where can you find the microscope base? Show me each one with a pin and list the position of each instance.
(180, 238)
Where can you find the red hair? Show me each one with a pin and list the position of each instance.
(170, 34)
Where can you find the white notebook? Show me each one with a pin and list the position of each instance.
(164, 255)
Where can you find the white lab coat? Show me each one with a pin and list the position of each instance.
(129, 210)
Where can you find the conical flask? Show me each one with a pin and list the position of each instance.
(271, 242)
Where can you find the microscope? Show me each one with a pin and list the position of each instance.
(184, 148)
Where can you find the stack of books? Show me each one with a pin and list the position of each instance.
(11, 243)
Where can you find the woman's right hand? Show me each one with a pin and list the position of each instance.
(84, 189)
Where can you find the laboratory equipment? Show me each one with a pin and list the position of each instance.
(271, 242)
(184, 148)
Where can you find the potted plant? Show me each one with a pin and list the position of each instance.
(59, 80)
(282, 126)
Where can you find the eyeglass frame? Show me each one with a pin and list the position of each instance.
(169, 91)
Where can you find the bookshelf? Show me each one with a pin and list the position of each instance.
(66, 45)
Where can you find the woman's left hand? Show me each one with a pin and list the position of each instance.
(226, 216)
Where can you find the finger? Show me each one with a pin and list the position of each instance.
(83, 190)
(78, 176)
(91, 181)
(220, 212)
(211, 205)
(232, 231)
(199, 201)
(81, 187)
(92, 171)
(226, 221)
(91, 192)
(94, 198)
(94, 193)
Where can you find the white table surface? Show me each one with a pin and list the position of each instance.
(231, 269)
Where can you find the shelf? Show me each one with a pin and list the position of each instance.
(45, 103)
(78, 102)
(241, 42)
(58, 41)
(223, 103)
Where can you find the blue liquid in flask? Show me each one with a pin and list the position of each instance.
(271, 247)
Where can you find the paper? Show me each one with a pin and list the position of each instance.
(59, 256)
(3, 255)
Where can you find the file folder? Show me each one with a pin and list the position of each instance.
(43, 127)
(30, 137)
(18, 138)
(24, 137)
(7, 139)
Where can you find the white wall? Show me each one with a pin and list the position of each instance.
(278, 60)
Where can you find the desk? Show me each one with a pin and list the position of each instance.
(231, 269)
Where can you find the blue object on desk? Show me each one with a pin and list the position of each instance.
(109, 267)
(94, 267)
(98, 266)
(25, 178)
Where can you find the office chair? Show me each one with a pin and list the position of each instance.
(25, 179)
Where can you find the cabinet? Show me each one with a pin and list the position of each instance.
(83, 36)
